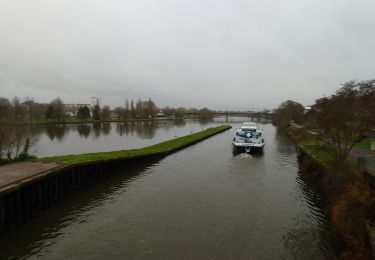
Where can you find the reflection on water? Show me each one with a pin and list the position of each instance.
(69, 211)
(203, 202)
(57, 131)
(60, 139)
(316, 232)
(84, 130)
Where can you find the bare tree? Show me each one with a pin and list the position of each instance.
(105, 113)
(119, 112)
(345, 117)
(18, 110)
(58, 107)
(5, 109)
(180, 112)
(14, 143)
(288, 111)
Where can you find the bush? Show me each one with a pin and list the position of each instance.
(349, 213)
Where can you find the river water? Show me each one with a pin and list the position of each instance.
(61, 139)
(203, 202)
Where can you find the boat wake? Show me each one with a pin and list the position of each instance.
(243, 155)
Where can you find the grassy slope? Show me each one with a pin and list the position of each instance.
(310, 144)
(314, 147)
(164, 147)
(364, 144)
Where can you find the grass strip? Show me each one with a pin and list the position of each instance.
(161, 148)
(364, 144)
(308, 141)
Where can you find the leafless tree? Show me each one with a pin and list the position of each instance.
(344, 118)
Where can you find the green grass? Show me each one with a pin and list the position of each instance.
(161, 148)
(363, 144)
(319, 154)
(307, 138)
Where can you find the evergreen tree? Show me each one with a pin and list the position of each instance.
(83, 113)
(96, 112)
(132, 110)
(127, 111)
(138, 108)
(50, 113)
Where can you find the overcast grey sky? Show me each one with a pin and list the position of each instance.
(221, 54)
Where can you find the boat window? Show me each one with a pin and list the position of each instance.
(244, 133)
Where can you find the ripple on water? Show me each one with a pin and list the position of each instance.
(199, 203)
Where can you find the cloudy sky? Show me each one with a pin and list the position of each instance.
(248, 54)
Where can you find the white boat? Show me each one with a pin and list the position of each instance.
(249, 137)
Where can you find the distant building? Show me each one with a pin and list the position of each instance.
(160, 114)
(72, 109)
(307, 109)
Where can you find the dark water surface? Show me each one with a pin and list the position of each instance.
(203, 202)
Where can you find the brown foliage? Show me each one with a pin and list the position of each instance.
(349, 211)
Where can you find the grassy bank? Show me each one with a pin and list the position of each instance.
(161, 148)
(309, 143)
(307, 139)
(364, 144)
(351, 197)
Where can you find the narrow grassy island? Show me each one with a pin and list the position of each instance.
(157, 149)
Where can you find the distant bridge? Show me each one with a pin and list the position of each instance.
(233, 113)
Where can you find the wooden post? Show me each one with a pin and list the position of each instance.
(2, 214)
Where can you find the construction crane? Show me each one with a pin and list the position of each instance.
(96, 101)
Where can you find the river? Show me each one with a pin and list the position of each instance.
(62, 139)
(203, 202)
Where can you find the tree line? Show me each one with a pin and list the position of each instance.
(30, 111)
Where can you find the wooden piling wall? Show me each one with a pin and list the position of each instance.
(19, 203)
(23, 199)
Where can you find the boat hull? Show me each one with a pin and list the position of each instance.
(248, 147)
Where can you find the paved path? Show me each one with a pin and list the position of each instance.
(365, 157)
(363, 153)
(18, 172)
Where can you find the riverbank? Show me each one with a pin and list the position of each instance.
(348, 187)
(28, 187)
(157, 149)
